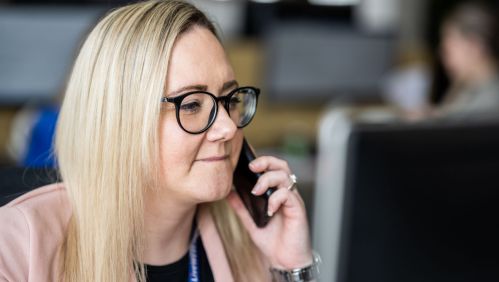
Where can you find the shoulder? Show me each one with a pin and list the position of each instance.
(42, 195)
(33, 230)
(45, 207)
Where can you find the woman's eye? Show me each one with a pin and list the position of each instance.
(234, 101)
(190, 107)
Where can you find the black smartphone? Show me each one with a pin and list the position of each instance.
(244, 181)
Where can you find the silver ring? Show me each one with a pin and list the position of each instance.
(292, 186)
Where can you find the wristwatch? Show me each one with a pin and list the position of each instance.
(305, 274)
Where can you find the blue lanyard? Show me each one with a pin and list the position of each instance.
(193, 259)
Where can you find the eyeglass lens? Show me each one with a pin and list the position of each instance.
(197, 110)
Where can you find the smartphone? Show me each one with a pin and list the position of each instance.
(244, 181)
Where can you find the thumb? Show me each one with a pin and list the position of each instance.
(237, 204)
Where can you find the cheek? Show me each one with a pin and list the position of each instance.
(174, 144)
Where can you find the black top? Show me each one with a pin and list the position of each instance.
(178, 271)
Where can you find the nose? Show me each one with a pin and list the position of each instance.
(224, 128)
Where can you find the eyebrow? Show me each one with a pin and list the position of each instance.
(200, 87)
(197, 87)
(228, 85)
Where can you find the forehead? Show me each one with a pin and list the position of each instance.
(198, 58)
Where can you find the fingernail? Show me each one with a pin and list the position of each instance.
(253, 164)
(269, 213)
(255, 189)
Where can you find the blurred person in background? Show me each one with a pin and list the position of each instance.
(470, 52)
(148, 136)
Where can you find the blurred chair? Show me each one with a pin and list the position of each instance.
(15, 181)
(407, 201)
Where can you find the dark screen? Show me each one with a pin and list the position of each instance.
(422, 204)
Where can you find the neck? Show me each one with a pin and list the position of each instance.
(168, 224)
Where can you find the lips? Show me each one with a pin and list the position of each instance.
(214, 158)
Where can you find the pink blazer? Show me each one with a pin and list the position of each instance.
(32, 229)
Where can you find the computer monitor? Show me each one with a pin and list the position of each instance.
(313, 62)
(38, 47)
(415, 203)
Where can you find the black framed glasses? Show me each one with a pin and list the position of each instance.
(196, 111)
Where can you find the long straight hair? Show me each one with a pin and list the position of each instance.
(107, 144)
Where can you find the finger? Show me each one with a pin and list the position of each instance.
(237, 204)
(286, 199)
(277, 178)
(266, 163)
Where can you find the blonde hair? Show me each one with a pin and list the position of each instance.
(107, 144)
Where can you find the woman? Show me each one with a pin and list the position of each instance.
(147, 163)
(470, 50)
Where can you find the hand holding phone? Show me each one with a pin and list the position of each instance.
(244, 181)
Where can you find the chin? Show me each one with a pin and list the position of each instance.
(215, 192)
(213, 195)
(216, 182)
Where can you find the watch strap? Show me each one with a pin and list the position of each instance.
(304, 274)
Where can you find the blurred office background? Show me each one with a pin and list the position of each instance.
(331, 72)
(305, 55)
